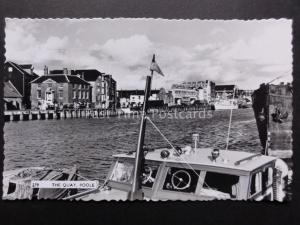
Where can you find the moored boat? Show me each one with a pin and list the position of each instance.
(225, 104)
(194, 174)
(17, 183)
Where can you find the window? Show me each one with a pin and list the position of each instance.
(39, 93)
(148, 175)
(79, 94)
(39, 85)
(83, 95)
(122, 172)
(61, 85)
(267, 178)
(49, 84)
(60, 94)
(10, 69)
(87, 95)
(74, 94)
(181, 180)
(255, 186)
(224, 183)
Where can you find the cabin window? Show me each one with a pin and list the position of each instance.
(267, 178)
(122, 172)
(148, 175)
(181, 180)
(225, 183)
(255, 186)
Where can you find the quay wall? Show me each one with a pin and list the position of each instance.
(26, 115)
(21, 115)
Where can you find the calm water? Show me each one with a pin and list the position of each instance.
(90, 143)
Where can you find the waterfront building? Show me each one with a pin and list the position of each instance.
(12, 97)
(20, 77)
(225, 91)
(245, 93)
(205, 89)
(103, 86)
(183, 96)
(110, 92)
(135, 98)
(165, 96)
(60, 89)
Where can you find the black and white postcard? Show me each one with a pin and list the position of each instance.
(148, 109)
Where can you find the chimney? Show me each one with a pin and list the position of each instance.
(31, 70)
(45, 70)
(65, 71)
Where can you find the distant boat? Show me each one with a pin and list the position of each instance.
(17, 183)
(225, 104)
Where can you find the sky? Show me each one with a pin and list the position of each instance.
(245, 53)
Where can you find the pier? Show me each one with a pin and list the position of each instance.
(26, 115)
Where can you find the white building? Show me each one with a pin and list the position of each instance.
(135, 98)
(184, 96)
(205, 89)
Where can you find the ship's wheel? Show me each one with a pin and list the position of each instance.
(181, 180)
(147, 175)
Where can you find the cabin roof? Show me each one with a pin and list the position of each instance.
(202, 157)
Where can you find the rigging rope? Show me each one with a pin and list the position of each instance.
(177, 152)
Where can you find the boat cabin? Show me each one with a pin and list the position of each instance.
(194, 174)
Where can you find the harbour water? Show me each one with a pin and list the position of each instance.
(90, 143)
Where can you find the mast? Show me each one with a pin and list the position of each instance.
(136, 190)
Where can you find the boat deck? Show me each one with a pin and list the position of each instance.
(243, 161)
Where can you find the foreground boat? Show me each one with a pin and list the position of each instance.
(194, 174)
(17, 183)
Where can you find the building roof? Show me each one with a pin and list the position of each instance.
(127, 93)
(233, 160)
(26, 66)
(225, 87)
(22, 68)
(61, 78)
(88, 74)
(10, 91)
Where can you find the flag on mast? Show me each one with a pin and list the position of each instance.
(154, 67)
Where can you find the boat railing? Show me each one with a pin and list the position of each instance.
(246, 159)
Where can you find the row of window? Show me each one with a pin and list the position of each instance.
(186, 93)
(80, 86)
(81, 95)
(60, 94)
